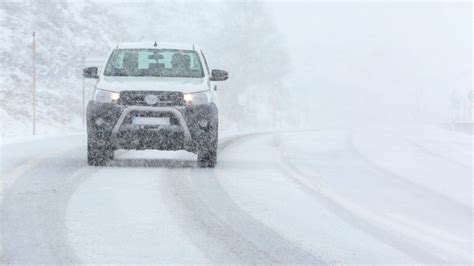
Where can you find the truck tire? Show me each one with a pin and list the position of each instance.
(207, 158)
(99, 150)
(207, 152)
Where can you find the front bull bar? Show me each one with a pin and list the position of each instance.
(177, 114)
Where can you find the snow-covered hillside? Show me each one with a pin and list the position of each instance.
(65, 32)
(238, 37)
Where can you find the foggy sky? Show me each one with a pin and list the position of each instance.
(382, 61)
(372, 61)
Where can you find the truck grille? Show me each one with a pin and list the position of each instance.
(164, 98)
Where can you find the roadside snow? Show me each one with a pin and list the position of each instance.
(439, 160)
(417, 200)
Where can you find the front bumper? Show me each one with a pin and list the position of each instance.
(112, 121)
(162, 110)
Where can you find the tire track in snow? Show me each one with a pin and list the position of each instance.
(360, 217)
(34, 209)
(452, 203)
(9, 176)
(220, 228)
(426, 150)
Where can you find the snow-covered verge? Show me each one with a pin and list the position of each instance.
(411, 185)
(403, 153)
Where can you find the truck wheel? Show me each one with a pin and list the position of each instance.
(99, 150)
(207, 152)
(207, 158)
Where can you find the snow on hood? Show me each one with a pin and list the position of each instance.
(185, 85)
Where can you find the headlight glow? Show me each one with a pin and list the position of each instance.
(197, 98)
(115, 96)
(188, 98)
(104, 96)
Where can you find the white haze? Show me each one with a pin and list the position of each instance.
(367, 61)
(292, 64)
(379, 61)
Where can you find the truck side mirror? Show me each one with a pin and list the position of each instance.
(90, 73)
(219, 75)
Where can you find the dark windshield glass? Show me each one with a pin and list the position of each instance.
(154, 63)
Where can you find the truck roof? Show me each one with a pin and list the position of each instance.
(157, 45)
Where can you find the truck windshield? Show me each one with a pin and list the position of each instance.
(154, 63)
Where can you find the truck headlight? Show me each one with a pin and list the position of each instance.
(197, 98)
(104, 96)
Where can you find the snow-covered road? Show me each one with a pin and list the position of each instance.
(322, 197)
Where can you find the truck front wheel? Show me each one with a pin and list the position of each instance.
(207, 151)
(99, 150)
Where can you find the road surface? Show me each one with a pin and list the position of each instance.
(327, 196)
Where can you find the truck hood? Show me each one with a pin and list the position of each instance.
(185, 85)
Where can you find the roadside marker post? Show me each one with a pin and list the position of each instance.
(34, 82)
(83, 95)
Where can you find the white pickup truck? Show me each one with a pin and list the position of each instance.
(153, 95)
